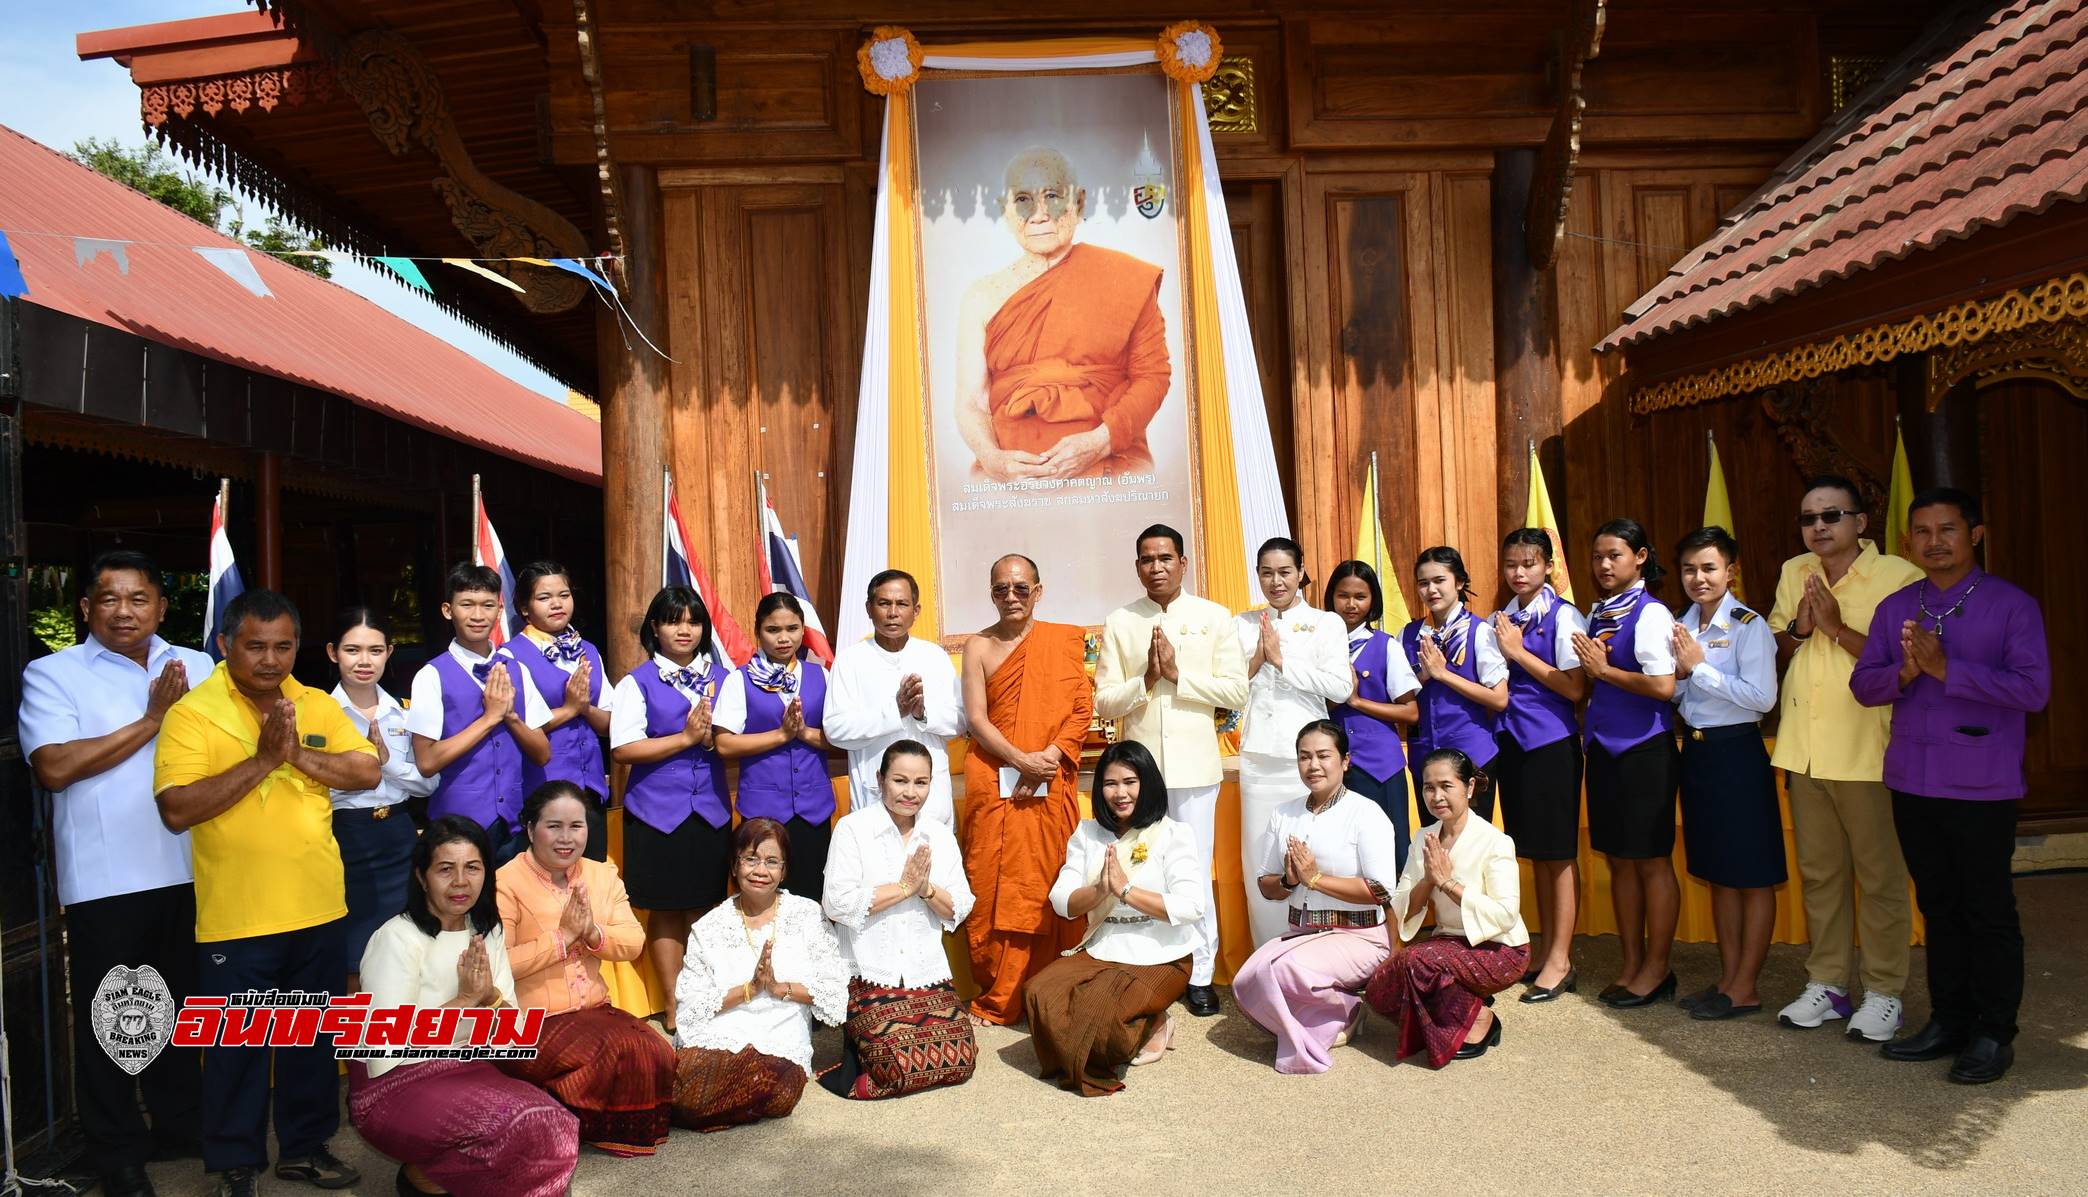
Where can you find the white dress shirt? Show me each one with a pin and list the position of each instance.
(399, 778)
(1653, 640)
(1568, 622)
(424, 716)
(1170, 869)
(1315, 672)
(862, 715)
(1483, 862)
(1399, 672)
(721, 956)
(901, 944)
(628, 717)
(107, 828)
(1351, 837)
(729, 713)
(1174, 720)
(1737, 681)
(404, 966)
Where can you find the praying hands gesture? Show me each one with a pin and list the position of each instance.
(1594, 656)
(1435, 862)
(500, 694)
(1160, 659)
(1924, 654)
(913, 697)
(915, 875)
(765, 971)
(697, 729)
(1270, 647)
(578, 690)
(1299, 864)
(1508, 634)
(1819, 610)
(1431, 663)
(1115, 878)
(475, 975)
(166, 690)
(278, 740)
(576, 923)
(1689, 651)
(794, 720)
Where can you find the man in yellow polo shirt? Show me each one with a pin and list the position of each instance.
(244, 763)
(1832, 751)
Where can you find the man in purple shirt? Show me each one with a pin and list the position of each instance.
(1961, 657)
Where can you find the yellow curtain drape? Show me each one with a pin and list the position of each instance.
(910, 538)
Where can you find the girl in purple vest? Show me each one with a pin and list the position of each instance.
(1628, 654)
(768, 718)
(1538, 772)
(1464, 679)
(568, 669)
(1383, 701)
(677, 811)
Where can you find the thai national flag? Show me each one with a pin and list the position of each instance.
(224, 578)
(780, 569)
(486, 550)
(679, 566)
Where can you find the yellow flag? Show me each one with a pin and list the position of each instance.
(1540, 515)
(1898, 495)
(1718, 506)
(1370, 547)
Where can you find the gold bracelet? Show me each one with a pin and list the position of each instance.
(746, 992)
(1312, 882)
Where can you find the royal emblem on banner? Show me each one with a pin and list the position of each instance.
(133, 1016)
(1151, 199)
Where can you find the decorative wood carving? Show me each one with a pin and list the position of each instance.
(403, 100)
(1229, 96)
(1849, 74)
(263, 89)
(1803, 413)
(1544, 219)
(2055, 353)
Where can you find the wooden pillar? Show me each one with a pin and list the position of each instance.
(634, 387)
(268, 519)
(1943, 442)
(1525, 329)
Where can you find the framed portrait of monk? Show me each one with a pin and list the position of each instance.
(1060, 403)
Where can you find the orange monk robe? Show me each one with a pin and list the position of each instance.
(1040, 695)
(1081, 345)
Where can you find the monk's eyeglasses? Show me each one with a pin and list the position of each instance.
(1004, 589)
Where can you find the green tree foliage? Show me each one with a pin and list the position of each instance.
(152, 172)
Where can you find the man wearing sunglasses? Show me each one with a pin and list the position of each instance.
(1832, 751)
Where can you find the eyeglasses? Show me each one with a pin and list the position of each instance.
(1829, 517)
(767, 862)
(1004, 589)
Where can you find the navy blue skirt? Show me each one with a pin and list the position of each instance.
(1731, 827)
(376, 858)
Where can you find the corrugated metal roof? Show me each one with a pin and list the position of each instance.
(309, 331)
(1990, 123)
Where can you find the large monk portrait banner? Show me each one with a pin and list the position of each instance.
(1060, 403)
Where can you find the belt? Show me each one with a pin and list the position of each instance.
(1728, 732)
(1327, 919)
(375, 812)
(1124, 920)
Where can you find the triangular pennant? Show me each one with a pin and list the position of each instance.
(481, 271)
(407, 272)
(12, 285)
(86, 249)
(237, 265)
(576, 266)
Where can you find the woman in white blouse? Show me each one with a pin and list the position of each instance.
(458, 1126)
(1440, 990)
(758, 969)
(1297, 663)
(894, 887)
(1333, 857)
(1135, 875)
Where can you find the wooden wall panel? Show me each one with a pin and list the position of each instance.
(1255, 210)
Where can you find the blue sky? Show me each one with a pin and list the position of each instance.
(49, 94)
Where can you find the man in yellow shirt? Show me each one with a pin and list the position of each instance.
(244, 764)
(1832, 751)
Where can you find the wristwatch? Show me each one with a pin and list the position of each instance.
(1124, 894)
(1791, 630)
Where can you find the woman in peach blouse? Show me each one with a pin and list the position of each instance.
(562, 915)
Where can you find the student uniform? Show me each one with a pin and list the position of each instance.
(485, 784)
(1631, 738)
(1377, 759)
(1731, 826)
(1449, 719)
(1538, 771)
(374, 828)
(787, 783)
(576, 749)
(677, 811)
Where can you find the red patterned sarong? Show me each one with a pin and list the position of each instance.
(1432, 990)
(715, 1090)
(901, 1040)
(615, 1072)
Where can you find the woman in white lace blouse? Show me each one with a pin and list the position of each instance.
(758, 969)
(894, 886)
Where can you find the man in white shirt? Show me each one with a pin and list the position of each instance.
(894, 687)
(90, 717)
(1168, 663)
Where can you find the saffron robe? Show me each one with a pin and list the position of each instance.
(1081, 345)
(1039, 695)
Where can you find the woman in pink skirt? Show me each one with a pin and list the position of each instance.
(1439, 990)
(1332, 858)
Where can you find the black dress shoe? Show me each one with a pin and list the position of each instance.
(1627, 1000)
(1697, 999)
(1610, 992)
(127, 1180)
(1477, 1048)
(1718, 1006)
(1202, 1000)
(1983, 1061)
(1530, 978)
(1570, 983)
(1932, 1042)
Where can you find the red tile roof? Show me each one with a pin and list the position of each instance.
(310, 331)
(1986, 121)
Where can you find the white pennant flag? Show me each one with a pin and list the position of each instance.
(237, 266)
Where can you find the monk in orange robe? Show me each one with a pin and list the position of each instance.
(1029, 701)
(1061, 355)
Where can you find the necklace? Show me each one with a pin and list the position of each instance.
(1329, 804)
(747, 928)
(1921, 599)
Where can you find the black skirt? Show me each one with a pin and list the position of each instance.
(683, 869)
(1631, 800)
(1731, 826)
(1390, 796)
(1540, 792)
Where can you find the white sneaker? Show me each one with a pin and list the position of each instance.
(1819, 1003)
(1878, 1019)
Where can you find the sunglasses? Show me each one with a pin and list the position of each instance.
(1003, 590)
(1829, 517)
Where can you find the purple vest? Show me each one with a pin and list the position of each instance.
(485, 784)
(576, 751)
(1619, 721)
(790, 780)
(1374, 745)
(664, 794)
(1449, 719)
(1537, 715)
